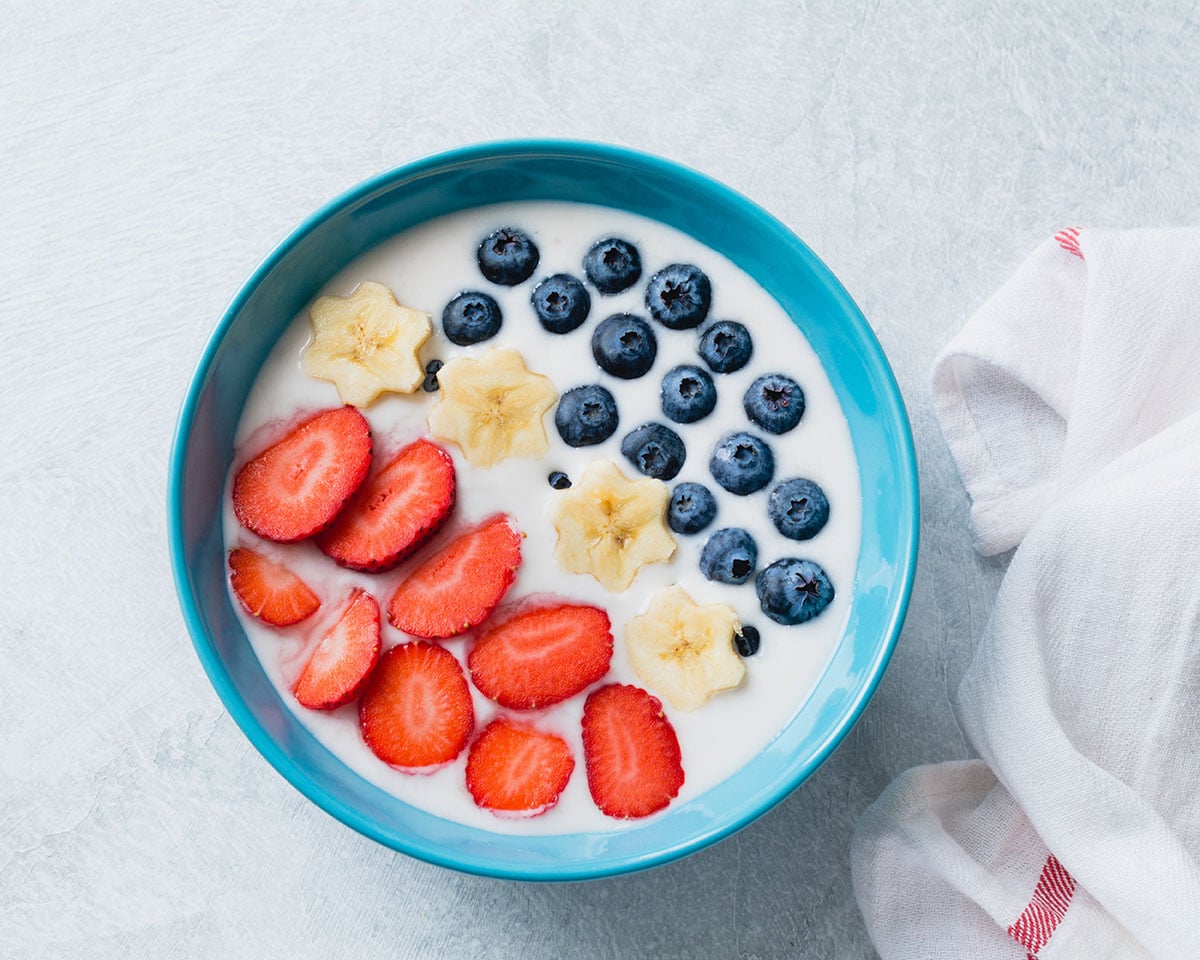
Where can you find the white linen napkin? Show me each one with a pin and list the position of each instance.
(1071, 403)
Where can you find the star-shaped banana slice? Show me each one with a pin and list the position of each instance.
(611, 526)
(492, 407)
(684, 651)
(366, 344)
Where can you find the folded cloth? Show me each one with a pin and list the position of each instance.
(1071, 404)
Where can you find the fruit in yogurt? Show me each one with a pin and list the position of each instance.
(682, 650)
(631, 753)
(395, 511)
(366, 344)
(507, 256)
(561, 303)
(687, 394)
(456, 588)
(798, 508)
(692, 508)
(471, 317)
(775, 402)
(610, 526)
(742, 463)
(678, 296)
(542, 656)
(491, 407)
(430, 384)
(514, 768)
(726, 346)
(586, 415)
(655, 450)
(747, 640)
(612, 265)
(345, 657)
(296, 487)
(792, 591)
(416, 711)
(268, 590)
(624, 346)
(729, 556)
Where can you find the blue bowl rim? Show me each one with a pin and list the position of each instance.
(249, 725)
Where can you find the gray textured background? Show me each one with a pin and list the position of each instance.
(150, 159)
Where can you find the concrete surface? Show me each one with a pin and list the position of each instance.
(152, 156)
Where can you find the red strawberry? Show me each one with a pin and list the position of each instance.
(417, 709)
(269, 591)
(345, 657)
(542, 656)
(515, 768)
(461, 584)
(630, 751)
(296, 487)
(395, 511)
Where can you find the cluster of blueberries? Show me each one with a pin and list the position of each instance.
(624, 345)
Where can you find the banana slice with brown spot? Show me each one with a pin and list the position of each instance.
(683, 650)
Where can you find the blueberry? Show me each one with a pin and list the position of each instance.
(747, 641)
(586, 415)
(792, 591)
(625, 346)
(692, 508)
(471, 317)
(655, 450)
(678, 296)
(559, 480)
(431, 384)
(729, 556)
(687, 394)
(561, 303)
(742, 463)
(798, 508)
(507, 256)
(774, 402)
(612, 265)
(726, 346)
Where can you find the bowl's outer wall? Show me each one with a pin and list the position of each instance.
(588, 173)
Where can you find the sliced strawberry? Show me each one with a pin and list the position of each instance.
(296, 487)
(395, 511)
(514, 768)
(269, 591)
(630, 751)
(542, 656)
(456, 588)
(345, 657)
(417, 711)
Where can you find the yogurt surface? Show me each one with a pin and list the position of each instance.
(426, 267)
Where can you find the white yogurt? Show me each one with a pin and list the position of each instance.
(427, 266)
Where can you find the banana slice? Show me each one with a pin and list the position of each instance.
(684, 651)
(610, 526)
(492, 407)
(366, 343)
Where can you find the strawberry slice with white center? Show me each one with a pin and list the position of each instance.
(417, 712)
(456, 588)
(345, 657)
(630, 751)
(395, 511)
(542, 656)
(268, 590)
(296, 487)
(516, 769)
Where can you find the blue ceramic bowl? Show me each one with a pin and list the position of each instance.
(540, 170)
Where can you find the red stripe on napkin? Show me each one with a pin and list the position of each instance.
(1051, 897)
(1069, 240)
